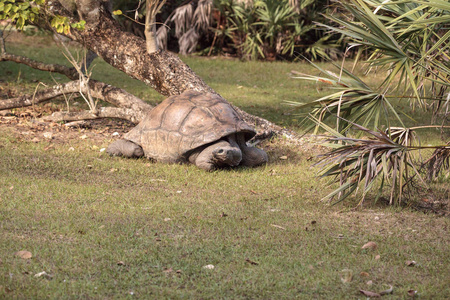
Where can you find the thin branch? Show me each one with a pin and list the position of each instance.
(102, 112)
(2, 43)
(71, 73)
(152, 9)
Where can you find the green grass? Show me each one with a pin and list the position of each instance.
(82, 212)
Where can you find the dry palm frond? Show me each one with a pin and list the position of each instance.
(355, 161)
(403, 136)
(182, 17)
(203, 15)
(297, 5)
(162, 36)
(247, 3)
(188, 42)
(439, 161)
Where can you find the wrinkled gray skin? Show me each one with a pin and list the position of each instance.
(229, 152)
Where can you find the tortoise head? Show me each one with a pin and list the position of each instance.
(227, 156)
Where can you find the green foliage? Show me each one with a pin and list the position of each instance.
(409, 41)
(270, 29)
(20, 12)
(409, 37)
(26, 12)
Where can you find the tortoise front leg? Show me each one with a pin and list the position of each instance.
(125, 148)
(218, 155)
(251, 156)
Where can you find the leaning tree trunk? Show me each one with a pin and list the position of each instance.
(162, 70)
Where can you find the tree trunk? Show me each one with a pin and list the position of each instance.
(162, 70)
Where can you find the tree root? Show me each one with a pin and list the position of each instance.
(126, 102)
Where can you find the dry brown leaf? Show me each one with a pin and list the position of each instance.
(370, 245)
(251, 262)
(377, 257)
(388, 291)
(24, 254)
(369, 293)
(277, 226)
(284, 157)
(346, 275)
(410, 263)
(120, 263)
(364, 274)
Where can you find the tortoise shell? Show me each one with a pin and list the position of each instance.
(185, 122)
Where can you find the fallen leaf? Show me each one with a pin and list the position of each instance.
(277, 226)
(167, 219)
(410, 263)
(24, 254)
(369, 293)
(284, 157)
(412, 293)
(83, 137)
(377, 257)
(43, 274)
(364, 274)
(48, 135)
(388, 291)
(208, 267)
(251, 262)
(370, 282)
(120, 263)
(346, 275)
(370, 245)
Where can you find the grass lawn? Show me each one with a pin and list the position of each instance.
(113, 228)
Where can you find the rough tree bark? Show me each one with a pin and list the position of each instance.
(162, 70)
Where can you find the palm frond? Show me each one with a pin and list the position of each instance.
(361, 163)
(188, 42)
(354, 101)
(162, 36)
(182, 17)
(438, 162)
(203, 14)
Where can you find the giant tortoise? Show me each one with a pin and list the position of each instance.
(201, 128)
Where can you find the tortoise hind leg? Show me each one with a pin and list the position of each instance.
(125, 148)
